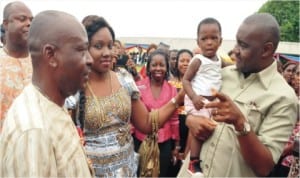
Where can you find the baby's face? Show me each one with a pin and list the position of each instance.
(209, 39)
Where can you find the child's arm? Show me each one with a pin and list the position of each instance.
(186, 83)
(188, 77)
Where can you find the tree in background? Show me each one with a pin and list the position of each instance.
(287, 14)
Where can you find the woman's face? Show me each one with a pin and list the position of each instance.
(158, 68)
(116, 48)
(288, 71)
(183, 62)
(101, 50)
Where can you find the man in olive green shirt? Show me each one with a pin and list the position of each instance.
(257, 114)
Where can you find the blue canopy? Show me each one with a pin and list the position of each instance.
(290, 57)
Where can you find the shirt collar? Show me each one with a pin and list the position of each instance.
(265, 76)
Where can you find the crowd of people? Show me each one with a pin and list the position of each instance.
(76, 103)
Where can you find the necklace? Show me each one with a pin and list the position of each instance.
(100, 108)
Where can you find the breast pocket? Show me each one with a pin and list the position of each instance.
(255, 119)
(252, 113)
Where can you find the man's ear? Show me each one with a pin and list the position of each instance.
(5, 22)
(268, 49)
(49, 54)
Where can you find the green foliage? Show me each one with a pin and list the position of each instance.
(287, 14)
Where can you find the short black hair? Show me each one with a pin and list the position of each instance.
(154, 53)
(177, 74)
(93, 23)
(209, 20)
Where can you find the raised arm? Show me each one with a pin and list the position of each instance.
(140, 116)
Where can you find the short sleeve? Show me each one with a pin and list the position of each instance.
(128, 83)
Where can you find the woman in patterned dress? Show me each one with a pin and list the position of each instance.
(108, 104)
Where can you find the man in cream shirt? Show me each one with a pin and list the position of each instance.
(39, 138)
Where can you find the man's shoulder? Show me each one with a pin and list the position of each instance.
(23, 113)
(279, 86)
(228, 70)
(6, 61)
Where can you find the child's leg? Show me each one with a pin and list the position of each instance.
(195, 148)
(194, 165)
(196, 143)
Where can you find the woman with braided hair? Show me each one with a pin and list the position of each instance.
(107, 106)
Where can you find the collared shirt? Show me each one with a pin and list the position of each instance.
(270, 106)
(15, 74)
(39, 139)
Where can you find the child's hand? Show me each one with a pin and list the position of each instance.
(198, 102)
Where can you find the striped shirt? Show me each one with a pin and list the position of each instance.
(39, 139)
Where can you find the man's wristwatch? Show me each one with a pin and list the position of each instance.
(245, 131)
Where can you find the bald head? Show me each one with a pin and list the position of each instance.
(52, 27)
(11, 8)
(265, 23)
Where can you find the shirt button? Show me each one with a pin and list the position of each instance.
(206, 166)
(212, 144)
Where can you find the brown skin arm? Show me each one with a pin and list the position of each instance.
(200, 127)
(257, 155)
(186, 83)
(140, 116)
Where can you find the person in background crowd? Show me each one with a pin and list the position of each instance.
(156, 92)
(287, 71)
(131, 68)
(150, 49)
(172, 61)
(39, 138)
(139, 56)
(182, 61)
(15, 62)
(295, 83)
(254, 118)
(121, 60)
(107, 106)
(116, 50)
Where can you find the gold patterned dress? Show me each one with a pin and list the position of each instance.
(109, 143)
